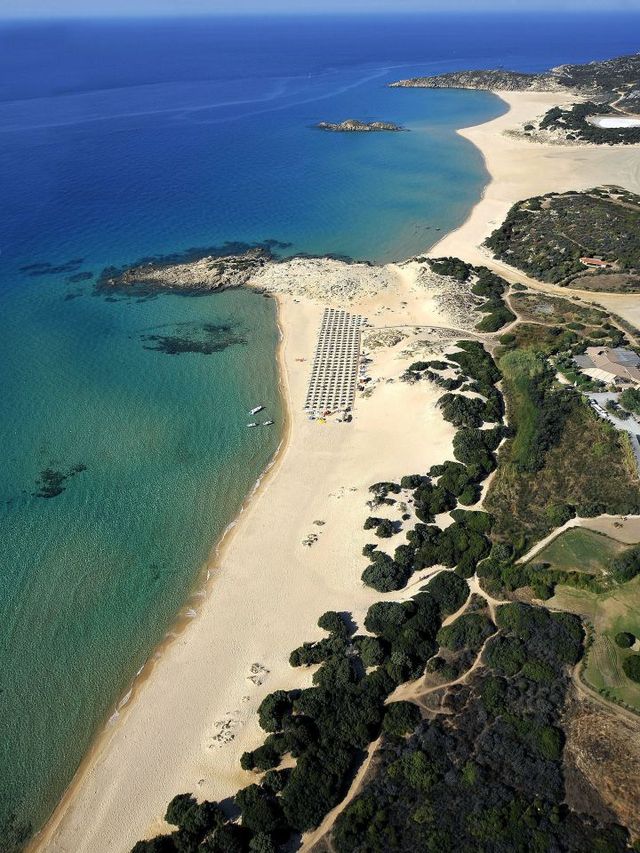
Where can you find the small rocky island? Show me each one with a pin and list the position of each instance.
(353, 125)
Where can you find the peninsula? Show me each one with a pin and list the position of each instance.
(200, 272)
(610, 80)
(605, 108)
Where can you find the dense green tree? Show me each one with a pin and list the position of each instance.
(400, 718)
(260, 809)
(273, 708)
(631, 667)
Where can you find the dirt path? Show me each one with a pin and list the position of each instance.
(583, 689)
(604, 300)
(312, 838)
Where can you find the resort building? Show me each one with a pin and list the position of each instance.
(595, 262)
(613, 366)
(334, 375)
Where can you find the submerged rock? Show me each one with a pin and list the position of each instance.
(51, 481)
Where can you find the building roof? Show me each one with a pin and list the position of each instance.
(615, 361)
(599, 374)
(595, 262)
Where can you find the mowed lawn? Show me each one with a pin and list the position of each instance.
(580, 550)
(609, 612)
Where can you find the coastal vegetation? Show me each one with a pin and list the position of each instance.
(490, 287)
(558, 463)
(495, 744)
(546, 237)
(465, 542)
(487, 772)
(499, 756)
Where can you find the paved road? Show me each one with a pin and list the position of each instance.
(629, 425)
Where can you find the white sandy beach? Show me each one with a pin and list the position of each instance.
(194, 714)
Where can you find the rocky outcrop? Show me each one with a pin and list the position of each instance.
(199, 275)
(353, 125)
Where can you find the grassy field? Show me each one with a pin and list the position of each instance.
(580, 550)
(520, 368)
(552, 310)
(609, 613)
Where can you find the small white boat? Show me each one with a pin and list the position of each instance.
(267, 423)
(256, 409)
(252, 424)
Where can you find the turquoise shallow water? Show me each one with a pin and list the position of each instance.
(93, 577)
(126, 139)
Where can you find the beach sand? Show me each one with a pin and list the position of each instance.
(191, 718)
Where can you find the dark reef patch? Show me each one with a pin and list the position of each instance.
(79, 276)
(47, 268)
(204, 339)
(51, 481)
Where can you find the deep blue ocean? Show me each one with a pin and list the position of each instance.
(120, 140)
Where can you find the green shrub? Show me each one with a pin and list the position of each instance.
(627, 565)
(334, 623)
(401, 718)
(625, 640)
(449, 591)
(196, 819)
(371, 650)
(469, 631)
(505, 655)
(451, 267)
(273, 708)
(631, 667)
(261, 811)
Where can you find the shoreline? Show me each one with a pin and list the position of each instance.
(498, 194)
(202, 588)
